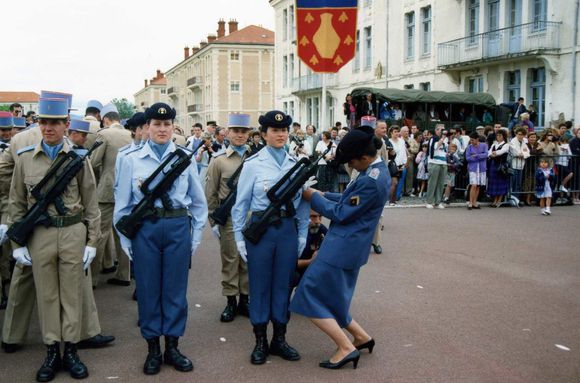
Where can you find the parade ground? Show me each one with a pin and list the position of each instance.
(490, 295)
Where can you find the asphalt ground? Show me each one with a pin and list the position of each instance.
(490, 295)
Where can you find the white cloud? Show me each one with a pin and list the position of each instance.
(105, 49)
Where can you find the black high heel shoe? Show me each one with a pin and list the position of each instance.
(352, 357)
(370, 345)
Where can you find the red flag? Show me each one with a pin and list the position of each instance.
(326, 33)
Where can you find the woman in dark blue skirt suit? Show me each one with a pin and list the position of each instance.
(326, 289)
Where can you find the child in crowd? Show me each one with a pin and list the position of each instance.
(563, 162)
(422, 174)
(453, 164)
(544, 182)
(316, 233)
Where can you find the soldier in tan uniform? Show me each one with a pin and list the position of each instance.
(220, 170)
(6, 124)
(93, 116)
(22, 294)
(58, 253)
(114, 136)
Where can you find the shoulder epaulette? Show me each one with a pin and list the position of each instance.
(25, 149)
(219, 154)
(136, 149)
(80, 151)
(252, 157)
(185, 148)
(123, 148)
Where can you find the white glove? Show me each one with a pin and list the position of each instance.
(194, 245)
(90, 253)
(310, 182)
(241, 245)
(301, 245)
(3, 230)
(22, 256)
(129, 252)
(215, 229)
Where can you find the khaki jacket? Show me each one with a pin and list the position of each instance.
(178, 139)
(104, 157)
(94, 129)
(220, 170)
(80, 196)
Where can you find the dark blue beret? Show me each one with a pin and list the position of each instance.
(138, 119)
(353, 145)
(160, 111)
(275, 119)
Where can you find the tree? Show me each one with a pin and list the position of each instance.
(125, 108)
(5, 108)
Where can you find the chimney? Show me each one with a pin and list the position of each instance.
(194, 50)
(202, 44)
(211, 39)
(221, 31)
(146, 83)
(232, 26)
(185, 53)
(159, 74)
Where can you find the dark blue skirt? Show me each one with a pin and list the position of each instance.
(325, 291)
(497, 184)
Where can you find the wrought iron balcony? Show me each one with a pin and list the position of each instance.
(500, 44)
(194, 81)
(172, 92)
(194, 108)
(311, 82)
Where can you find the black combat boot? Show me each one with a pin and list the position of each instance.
(4, 297)
(244, 305)
(174, 357)
(230, 311)
(154, 360)
(261, 350)
(279, 347)
(72, 363)
(52, 364)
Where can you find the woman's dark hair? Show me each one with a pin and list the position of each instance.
(326, 135)
(474, 135)
(254, 134)
(347, 95)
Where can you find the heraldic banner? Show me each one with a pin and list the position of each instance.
(326, 33)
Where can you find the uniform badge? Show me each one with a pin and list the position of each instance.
(354, 201)
(266, 186)
(162, 111)
(139, 182)
(278, 117)
(374, 174)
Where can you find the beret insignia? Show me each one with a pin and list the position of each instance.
(354, 201)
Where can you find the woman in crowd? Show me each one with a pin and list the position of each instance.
(476, 157)
(549, 146)
(398, 144)
(203, 157)
(349, 111)
(530, 167)
(255, 143)
(526, 122)
(575, 150)
(498, 179)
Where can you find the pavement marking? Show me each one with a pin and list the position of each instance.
(197, 305)
(526, 329)
(377, 291)
(112, 377)
(419, 286)
(562, 347)
(408, 345)
(222, 339)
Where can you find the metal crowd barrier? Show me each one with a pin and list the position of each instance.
(522, 183)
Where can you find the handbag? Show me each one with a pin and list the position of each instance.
(393, 169)
(505, 170)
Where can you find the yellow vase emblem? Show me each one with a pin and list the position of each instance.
(326, 40)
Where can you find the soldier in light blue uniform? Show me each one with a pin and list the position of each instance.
(326, 289)
(163, 246)
(271, 263)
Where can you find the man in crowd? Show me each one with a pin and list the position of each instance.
(114, 136)
(93, 116)
(16, 110)
(516, 109)
(437, 168)
(195, 139)
(219, 143)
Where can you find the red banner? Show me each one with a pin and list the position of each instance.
(326, 35)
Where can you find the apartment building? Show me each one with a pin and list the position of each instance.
(232, 71)
(154, 90)
(28, 100)
(508, 48)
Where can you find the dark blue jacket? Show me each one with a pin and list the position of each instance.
(354, 216)
(516, 108)
(541, 180)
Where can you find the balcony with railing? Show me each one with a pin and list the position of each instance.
(311, 82)
(172, 91)
(195, 108)
(194, 81)
(501, 44)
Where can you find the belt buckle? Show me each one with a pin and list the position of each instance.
(58, 221)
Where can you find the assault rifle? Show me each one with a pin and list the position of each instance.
(281, 195)
(71, 163)
(220, 215)
(162, 178)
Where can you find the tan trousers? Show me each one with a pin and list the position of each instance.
(5, 255)
(21, 302)
(57, 266)
(378, 236)
(234, 269)
(107, 232)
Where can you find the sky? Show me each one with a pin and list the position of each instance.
(104, 49)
